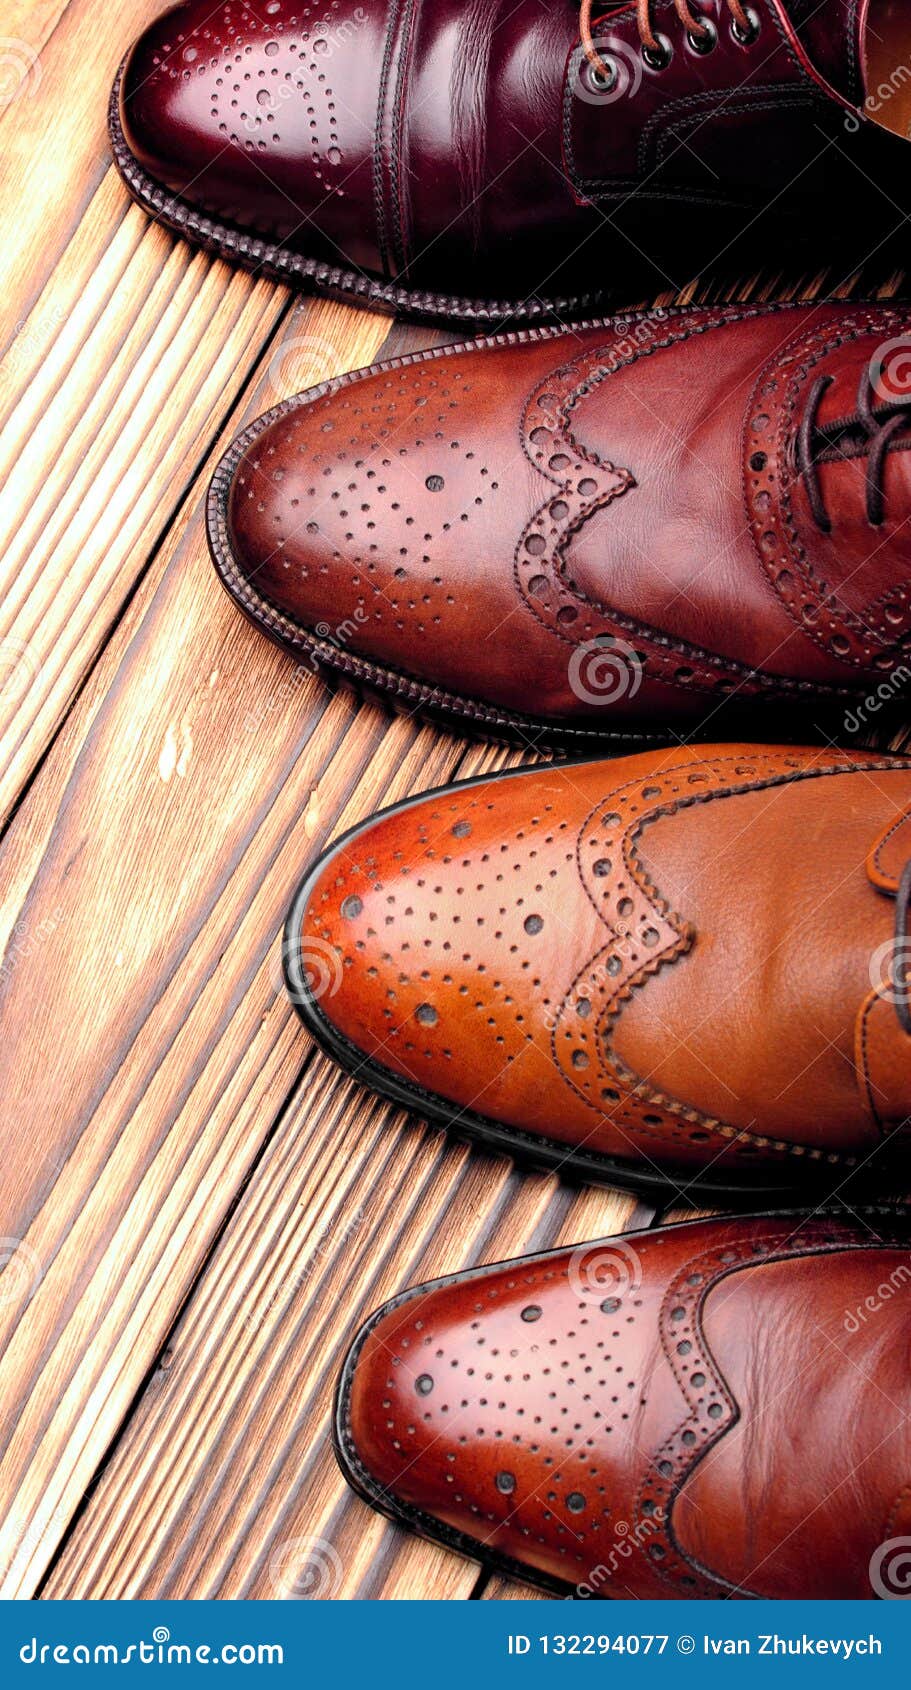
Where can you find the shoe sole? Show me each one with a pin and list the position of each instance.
(529, 1150)
(353, 287)
(427, 1526)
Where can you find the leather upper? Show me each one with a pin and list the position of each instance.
(614, 523)
(686, 959)
(706, 1410)
(407, 138)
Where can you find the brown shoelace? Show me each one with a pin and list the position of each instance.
(872, 433)
(700, 31)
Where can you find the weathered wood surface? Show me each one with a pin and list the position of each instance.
(196, 1209)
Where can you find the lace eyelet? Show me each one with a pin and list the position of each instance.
(596, 79)
(661, 59)
(705, 40)
(746, 37)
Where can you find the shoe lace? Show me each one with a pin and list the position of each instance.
(872, 432)
(698, 28)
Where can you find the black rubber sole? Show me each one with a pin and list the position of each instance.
(528, 1149)
(310, 275)
(427, 1526)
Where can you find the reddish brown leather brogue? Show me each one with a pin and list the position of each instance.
(687, 967)
(519, 159)
(688, 518)
(709, 1410)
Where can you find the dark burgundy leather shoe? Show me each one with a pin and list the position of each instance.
(698, 518)
(516, 158)
(686, 969)
(719, 1409)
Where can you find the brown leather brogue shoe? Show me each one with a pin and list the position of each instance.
(709, 1410)
(691, 518)
(685, 967)
(517, 158)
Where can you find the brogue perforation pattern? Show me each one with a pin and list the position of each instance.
(875, 640)
(646, 935)
(585, 485)
(713, 1409)
(256, 64)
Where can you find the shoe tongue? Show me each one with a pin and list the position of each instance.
(831, 37)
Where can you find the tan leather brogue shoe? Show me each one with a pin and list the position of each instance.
(687, 966)
(716, 1409)
(699, 519)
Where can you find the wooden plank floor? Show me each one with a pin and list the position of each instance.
(196, 1208)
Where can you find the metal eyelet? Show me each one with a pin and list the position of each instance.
(746, 37)
(597, 81)
(705, 40)
(661, 59)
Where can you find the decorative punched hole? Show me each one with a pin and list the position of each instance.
(351, 908)
(424, 1385)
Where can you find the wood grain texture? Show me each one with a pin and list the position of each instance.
(205, 1208)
